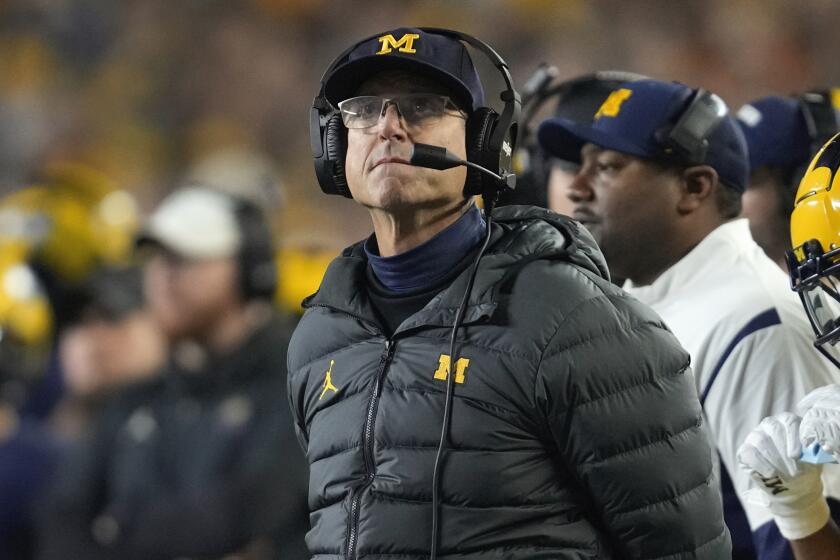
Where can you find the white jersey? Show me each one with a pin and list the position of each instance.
(750, 342)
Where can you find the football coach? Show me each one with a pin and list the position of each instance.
(469, 384)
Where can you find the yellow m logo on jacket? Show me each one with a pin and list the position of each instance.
(404, 45)
(460, 368)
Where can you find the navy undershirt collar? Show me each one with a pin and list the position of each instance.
(424, 266)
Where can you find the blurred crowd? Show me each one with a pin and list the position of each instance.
(147, 91)
(111, 113)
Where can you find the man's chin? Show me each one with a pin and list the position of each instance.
(391, 191)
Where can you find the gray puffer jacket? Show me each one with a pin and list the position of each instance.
(576, 429)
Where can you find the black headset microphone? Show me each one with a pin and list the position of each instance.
(438, 157)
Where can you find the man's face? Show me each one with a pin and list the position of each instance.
(628, 204)
(764, 206)
(377, 168)
(559, 182)
(101, 354)
(186, 297)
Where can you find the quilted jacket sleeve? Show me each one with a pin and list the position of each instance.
(619, 400)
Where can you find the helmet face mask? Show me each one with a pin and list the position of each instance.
(814, 262)
(816, 279)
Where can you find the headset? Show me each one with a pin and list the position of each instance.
(687, 140)
(822, 122)
(822, 118)
(491, 137)
(257, 268)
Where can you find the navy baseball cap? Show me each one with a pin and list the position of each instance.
(439, 57)
(579, 98)
(776, 131)
(631, 120)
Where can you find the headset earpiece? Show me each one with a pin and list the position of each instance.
(479, 129)
(257, 267)
(335, 151)
(688, 139)
(328, 138)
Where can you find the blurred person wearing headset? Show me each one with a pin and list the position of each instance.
(200, 461)
(28, 452)
(791, 485)
(543, 180)
(663, 168)
(783, 134)
(469, 383)
(547, 178)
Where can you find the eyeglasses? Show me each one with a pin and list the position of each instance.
(416, 109)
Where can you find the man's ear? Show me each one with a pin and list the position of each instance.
(698, 184)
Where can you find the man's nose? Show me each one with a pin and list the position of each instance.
(390, 124)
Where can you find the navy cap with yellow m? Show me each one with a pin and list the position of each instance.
(640, 118)
(439, 57)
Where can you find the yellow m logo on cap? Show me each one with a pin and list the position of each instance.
(612, 105)
(405, 44)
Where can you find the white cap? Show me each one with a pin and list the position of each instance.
(195, 223)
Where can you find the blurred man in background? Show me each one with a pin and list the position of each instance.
(578, 100)
(783, 134)
(542, 180)
(663, 168)
(200, 462)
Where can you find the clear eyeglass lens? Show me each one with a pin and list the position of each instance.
(361, 112)
(364, 111)
(417, 108)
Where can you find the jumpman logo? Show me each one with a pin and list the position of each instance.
(328, 384)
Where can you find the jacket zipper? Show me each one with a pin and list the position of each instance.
(367, 447)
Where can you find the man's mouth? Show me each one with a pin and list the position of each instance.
(389, 159)
(585, 217)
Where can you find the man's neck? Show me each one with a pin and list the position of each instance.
(658, 261)
(398, 232)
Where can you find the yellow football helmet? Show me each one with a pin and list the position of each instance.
(814, 262)
(73, 222)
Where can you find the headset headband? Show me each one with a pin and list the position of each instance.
(510, 97)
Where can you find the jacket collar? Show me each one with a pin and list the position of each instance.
(519, 235)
